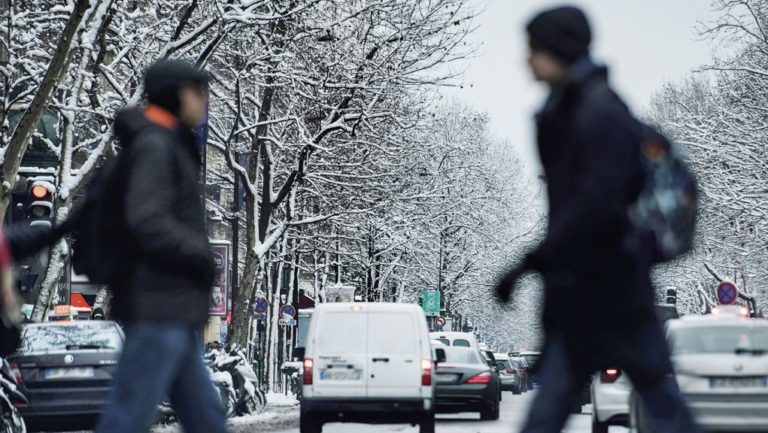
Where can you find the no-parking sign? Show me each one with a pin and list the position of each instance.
(727, 293)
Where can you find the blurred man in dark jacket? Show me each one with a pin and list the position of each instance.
(598, 309)
(164, 296)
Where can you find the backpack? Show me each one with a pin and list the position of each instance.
(667, 204)
(100, 250)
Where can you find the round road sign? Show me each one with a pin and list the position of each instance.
(440, 321)
(727, 293)
(287, 311)
(261, 305)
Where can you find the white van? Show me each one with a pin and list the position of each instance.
(368, 362)
(459, 339)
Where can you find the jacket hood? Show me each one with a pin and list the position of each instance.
(129, 123)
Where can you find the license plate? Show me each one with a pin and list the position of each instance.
(446, 378)
(69, 373)
(338, 374)
(739, 382)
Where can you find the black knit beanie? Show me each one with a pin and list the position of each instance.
(165, 78)
(563, 31)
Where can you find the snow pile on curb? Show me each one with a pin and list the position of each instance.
(275, 399)
(282, 412)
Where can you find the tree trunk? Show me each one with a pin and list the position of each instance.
(53, 274)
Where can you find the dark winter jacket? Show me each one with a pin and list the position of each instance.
(595, 265)
(170, 270)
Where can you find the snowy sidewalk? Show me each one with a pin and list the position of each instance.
(282, 413)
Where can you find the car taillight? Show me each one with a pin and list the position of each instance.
(511, 370)
(426, 372)
(609, 375)
(481, 378)
(309, 365)
(16, 372)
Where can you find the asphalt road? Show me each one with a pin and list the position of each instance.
(285, 419)
(513, 410)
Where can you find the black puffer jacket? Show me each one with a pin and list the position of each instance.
(170, 271)
(594, 263)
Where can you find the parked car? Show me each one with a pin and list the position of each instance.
(510, 374)
(65, 370)
(721, 366)
(465, 383)
(610, 399)
(367, 363)
(459, 339)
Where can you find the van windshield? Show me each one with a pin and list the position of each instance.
(342, 333)
(461, 343)
(462, 356)
(720, 339)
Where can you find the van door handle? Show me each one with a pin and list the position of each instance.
(380, 359)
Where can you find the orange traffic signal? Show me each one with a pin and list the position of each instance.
(39, 191)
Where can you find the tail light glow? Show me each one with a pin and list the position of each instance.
(482, 378)
(609, 375)
(426, 372)
(16, 372)
(309, 366)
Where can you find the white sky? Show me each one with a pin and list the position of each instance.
(645, 43)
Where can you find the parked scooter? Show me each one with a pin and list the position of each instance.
(235, 381)
(10, 399)
(231, 368)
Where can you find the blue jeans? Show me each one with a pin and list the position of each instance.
(560, 387)
(160, 360)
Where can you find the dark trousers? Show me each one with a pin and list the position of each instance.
(160, 360)
(561, 386)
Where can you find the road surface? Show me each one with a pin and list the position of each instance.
(513, 409)
(285, 419)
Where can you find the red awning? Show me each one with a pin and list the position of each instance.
(305, 302)
(77, 300)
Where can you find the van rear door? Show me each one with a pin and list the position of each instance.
(340, 354)
(394, 352)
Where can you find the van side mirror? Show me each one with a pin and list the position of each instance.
(439, 355)
(298, 352)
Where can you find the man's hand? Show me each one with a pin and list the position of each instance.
(506, 284)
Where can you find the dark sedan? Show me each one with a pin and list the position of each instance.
(465, 383)
(65, 369)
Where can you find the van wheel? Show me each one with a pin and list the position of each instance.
(427, 424)
(308, 425)
(490, 413)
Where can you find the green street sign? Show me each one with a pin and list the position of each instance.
(430, 301)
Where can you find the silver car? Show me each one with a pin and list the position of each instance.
(721, 366)
(509, 373)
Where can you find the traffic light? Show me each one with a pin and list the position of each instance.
(40, 198)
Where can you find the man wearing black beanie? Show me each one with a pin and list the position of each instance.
(599, 301)
(163, 293)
